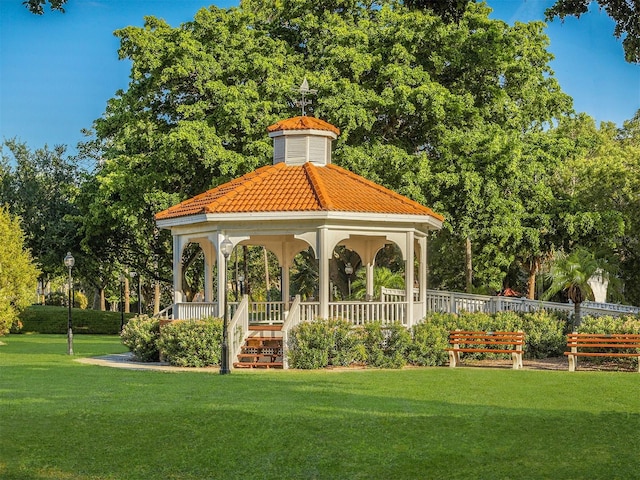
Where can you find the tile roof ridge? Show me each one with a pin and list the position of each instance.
(382, 189)
(319, 189)
(239, 185)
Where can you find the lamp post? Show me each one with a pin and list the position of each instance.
(348, 269)
(69, 262)
(226, 247)
(121, 302)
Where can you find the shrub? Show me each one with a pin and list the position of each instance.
(386, 346)
(346, 347)
(309, 345)
(545, 334)
(141, 335)
(192, 343)
(80, 300)
(608, 324)
(430, 339)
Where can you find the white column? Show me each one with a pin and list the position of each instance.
(209, 262)
(423, 276)
(370, 277)
(221, 274)
(323, 271)
(408, 277)
(178, 244)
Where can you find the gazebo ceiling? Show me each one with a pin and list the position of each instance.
(303, 188)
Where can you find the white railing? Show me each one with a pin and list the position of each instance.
(195, 310)
(368, 312)
(455, 302)
(238, 328)
(266, 312)
(294, 318)
(165, 314)
(397, 294)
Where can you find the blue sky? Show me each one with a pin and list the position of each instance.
(57, 71)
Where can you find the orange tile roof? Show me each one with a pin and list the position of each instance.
(301, 188)
(303, 123)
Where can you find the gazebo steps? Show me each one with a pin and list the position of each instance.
(260, 352)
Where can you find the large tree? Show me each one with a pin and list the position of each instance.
(626, 14)
(41, 187)
(18, 273)
(439, 111)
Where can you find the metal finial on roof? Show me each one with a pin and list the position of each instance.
(304, 91)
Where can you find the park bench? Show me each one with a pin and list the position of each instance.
(612, 344)
(464, 341)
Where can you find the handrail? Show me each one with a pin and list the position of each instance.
(238, 328)
(165, 314)
(292, 320)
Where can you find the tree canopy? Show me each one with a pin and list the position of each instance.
(446, 113)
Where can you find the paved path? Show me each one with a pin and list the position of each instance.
(126, 360)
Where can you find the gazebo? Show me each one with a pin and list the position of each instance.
(303, 200)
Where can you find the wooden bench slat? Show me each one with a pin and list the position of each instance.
(613, 341)
(471, 341)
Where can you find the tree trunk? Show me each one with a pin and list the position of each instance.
(126, 294)
(103, 300)
(577, 316)
(531, 281)
(468, 265)
(156, 297)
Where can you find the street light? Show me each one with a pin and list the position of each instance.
(348, 269)
(226, 247)
(121, 302)
(69, 262)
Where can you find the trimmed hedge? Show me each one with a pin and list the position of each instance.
(191, 343)
(181, 343)
(141, 336)
(50, 319)
(317, 344)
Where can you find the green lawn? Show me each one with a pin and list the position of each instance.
(60, 419)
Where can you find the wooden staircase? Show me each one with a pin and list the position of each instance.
(262, 348)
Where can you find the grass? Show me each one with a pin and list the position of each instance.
(60, 419)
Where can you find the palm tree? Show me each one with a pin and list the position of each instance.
(571, 273)
(382, 277)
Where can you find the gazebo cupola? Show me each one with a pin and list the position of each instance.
(302, 139)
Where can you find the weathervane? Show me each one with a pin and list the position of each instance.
(304, 90)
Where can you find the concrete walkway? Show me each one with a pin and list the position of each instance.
(126, 360)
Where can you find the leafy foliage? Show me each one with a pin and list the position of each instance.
(140, 335)
(441, 112)
(37, 6)
(191, 343)
(53, 320)
(18, 274)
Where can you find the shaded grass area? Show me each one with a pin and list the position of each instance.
(60, 419)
